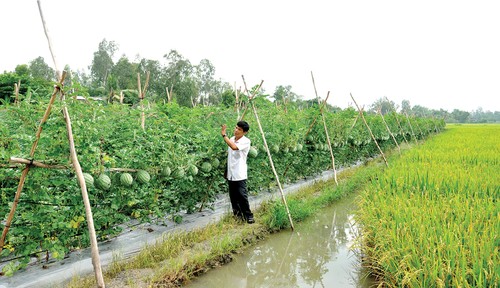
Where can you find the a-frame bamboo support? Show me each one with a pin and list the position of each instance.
(76, 165)
(370, 130)
(389, 130)
(326, 130)
(283, 198)
(399, 123)
(411, 128)
(25, 171)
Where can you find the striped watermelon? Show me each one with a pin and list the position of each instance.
(252, 153)
(126, 179)
(143, 176)
(103, 182)
(206, 167)
(89, 180)
(165, 171)
(192, 170)
(179, 172)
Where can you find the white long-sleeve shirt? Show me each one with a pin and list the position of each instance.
(237, 159)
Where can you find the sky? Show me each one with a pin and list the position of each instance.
(440, 54)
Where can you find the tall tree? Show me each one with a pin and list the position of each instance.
(405, 106)
(156, 87)
(41, 70)
(22, 70)
(204, 73)
(102, 63)
(384, 105)
(124, 75)
(179, 73)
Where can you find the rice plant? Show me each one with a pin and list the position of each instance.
(432, 219)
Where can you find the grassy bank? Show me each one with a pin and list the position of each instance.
(181, 256)
(432, 219)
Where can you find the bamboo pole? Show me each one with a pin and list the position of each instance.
(17, 86)
(76, 165)
(25, 171)
(370, 130)
(88, 211)
(47, 35)
(251, 97)
(236, 104)
(399, 124)
(326, 130)
(142, 94)
(411, 128)
(35, 163)
(389, 130)
(283, 198)
(314, 120)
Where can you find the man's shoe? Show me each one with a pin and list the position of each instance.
(250, 220)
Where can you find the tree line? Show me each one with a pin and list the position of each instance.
(177, 80)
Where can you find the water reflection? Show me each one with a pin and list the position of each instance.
(318, 254)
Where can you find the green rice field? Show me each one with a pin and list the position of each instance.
(432, 219)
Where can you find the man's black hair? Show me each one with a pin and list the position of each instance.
(243, 125)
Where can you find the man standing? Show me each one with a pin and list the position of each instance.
(237, 152)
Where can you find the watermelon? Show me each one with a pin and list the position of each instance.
(215, 162)
(275, 148)
(143, 176)
(103, 182)
(192, 170)
(89, 180)
(165, 171)
(252, 153)
(299, 147)
(206, 167)
(179, 173)
(126, 179)
(310, 138)
(286, 149)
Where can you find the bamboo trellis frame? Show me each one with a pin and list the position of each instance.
(76, 165)
(142, 94)
(326, 130)
(399, 123)
(389, 130)
(370, 130)
(283, 198)
(411, 128)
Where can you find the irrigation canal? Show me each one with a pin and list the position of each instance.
(319, 253)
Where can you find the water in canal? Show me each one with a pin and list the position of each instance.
(319, 253)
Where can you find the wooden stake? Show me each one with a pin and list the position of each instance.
(326, 130)
(35, 163)
(399, 124)
(76, 165)
(389, 130)
(17, 86)
(250, 97)
(269, 154)
(411, 128)
(142, 92)
(370, 130)
(88, 211)
(46, 30)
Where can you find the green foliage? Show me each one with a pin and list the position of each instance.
(175, 143)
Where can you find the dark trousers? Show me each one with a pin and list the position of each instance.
(239, 198)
